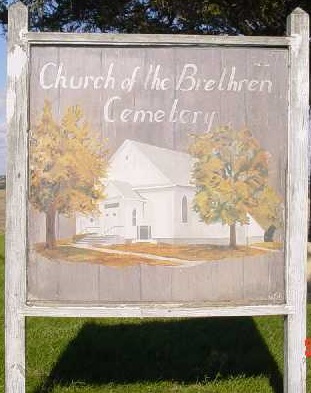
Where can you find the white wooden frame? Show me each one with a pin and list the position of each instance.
(16, 308)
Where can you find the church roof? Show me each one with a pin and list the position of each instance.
(126, 190)
(176, 166)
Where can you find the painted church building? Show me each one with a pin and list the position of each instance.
(150, 198)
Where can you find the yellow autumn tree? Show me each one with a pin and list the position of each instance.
(67, 166)
(231, 178)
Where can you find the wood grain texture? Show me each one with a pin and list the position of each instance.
(215, 283)
(170, 310)
(295, 324)
(231, 280)
(154, 39)
(16, 223)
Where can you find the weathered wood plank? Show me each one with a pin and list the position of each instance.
(16, 223)
(156, 310)
(222, 283)
(153, 39)
(115, 285)
(295, 324)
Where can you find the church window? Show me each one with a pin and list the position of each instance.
(184, 209)
(134, 218)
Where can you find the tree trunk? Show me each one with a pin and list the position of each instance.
(232, 236)
(50, 227)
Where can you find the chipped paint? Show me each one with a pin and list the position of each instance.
(10, 104)
(295, 44)
(22, 34)
(17, 60)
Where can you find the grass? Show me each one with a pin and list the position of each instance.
(217, 355)
(2, 211)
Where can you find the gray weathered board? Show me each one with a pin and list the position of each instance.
(143, 97)
(169, 94)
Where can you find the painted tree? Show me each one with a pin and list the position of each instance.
(67, 166)
(231, 178)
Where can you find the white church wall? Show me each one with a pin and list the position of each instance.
(250, 233)
(195, 230)
(162, 203)
(130, 230)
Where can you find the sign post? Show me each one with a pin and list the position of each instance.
(295, 324)
(16, 199)
(166, 176)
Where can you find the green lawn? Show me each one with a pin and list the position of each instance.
(232, 355)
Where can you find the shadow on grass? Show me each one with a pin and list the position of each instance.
(186, 351)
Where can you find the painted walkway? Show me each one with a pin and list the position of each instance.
(175, 261)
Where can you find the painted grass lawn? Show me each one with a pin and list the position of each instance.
(78, 255)
(220, 355)
(189, 252)
(269, 245)
(65, 252)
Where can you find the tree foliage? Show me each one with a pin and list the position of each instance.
(231, 178)
(249, 17)
(67, 166)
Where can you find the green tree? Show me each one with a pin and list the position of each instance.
(231, 178)
(67, 166)
(249, 17)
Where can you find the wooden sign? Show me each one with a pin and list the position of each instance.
(157, 176)
(160, 181)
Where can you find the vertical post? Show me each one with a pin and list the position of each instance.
(15, 253)
(297, 194)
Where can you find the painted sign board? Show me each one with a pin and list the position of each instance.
(156, 176)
